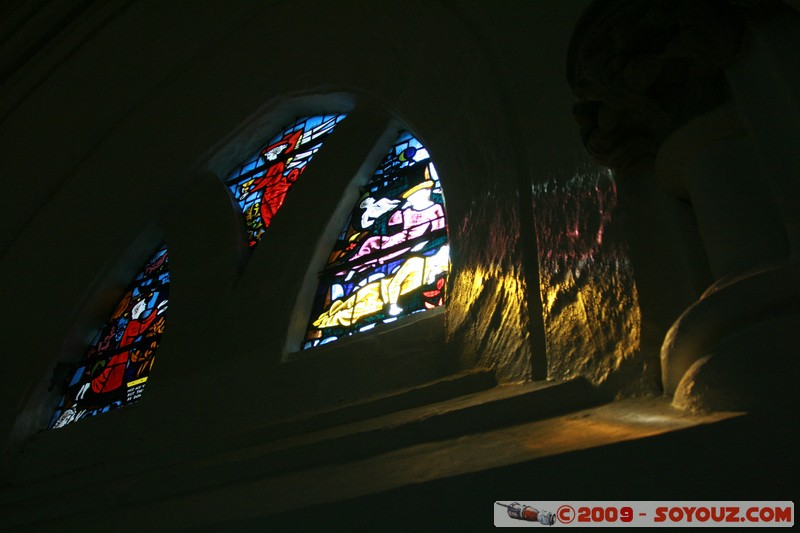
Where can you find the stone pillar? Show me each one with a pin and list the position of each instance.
(675, 87)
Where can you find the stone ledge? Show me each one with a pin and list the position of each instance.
(518, 444)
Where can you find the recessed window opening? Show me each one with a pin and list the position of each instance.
(392, 257)
(117, 364)
(261, 182)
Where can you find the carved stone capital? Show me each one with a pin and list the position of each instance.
(641, 68)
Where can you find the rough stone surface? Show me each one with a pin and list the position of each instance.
(488, 307)
(591, 309)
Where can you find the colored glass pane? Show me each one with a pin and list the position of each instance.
(119, 359)
(260, 183)
(392, 258)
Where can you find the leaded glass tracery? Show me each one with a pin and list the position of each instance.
(392, 258)
(118, 361)
(260, 183)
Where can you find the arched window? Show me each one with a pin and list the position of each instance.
(119, 359)
(261, 182)
(392, 257)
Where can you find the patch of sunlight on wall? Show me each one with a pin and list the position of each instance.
(591, 310)
(487, 313)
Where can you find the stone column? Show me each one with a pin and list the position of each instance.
(652, 82)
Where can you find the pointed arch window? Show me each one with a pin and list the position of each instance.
(392, 257)
(118, 361)
(260, 183)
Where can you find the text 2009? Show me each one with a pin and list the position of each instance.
(605, 514)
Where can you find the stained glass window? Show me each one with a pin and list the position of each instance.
(392, 257)
(260, 183)
(119, 359)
